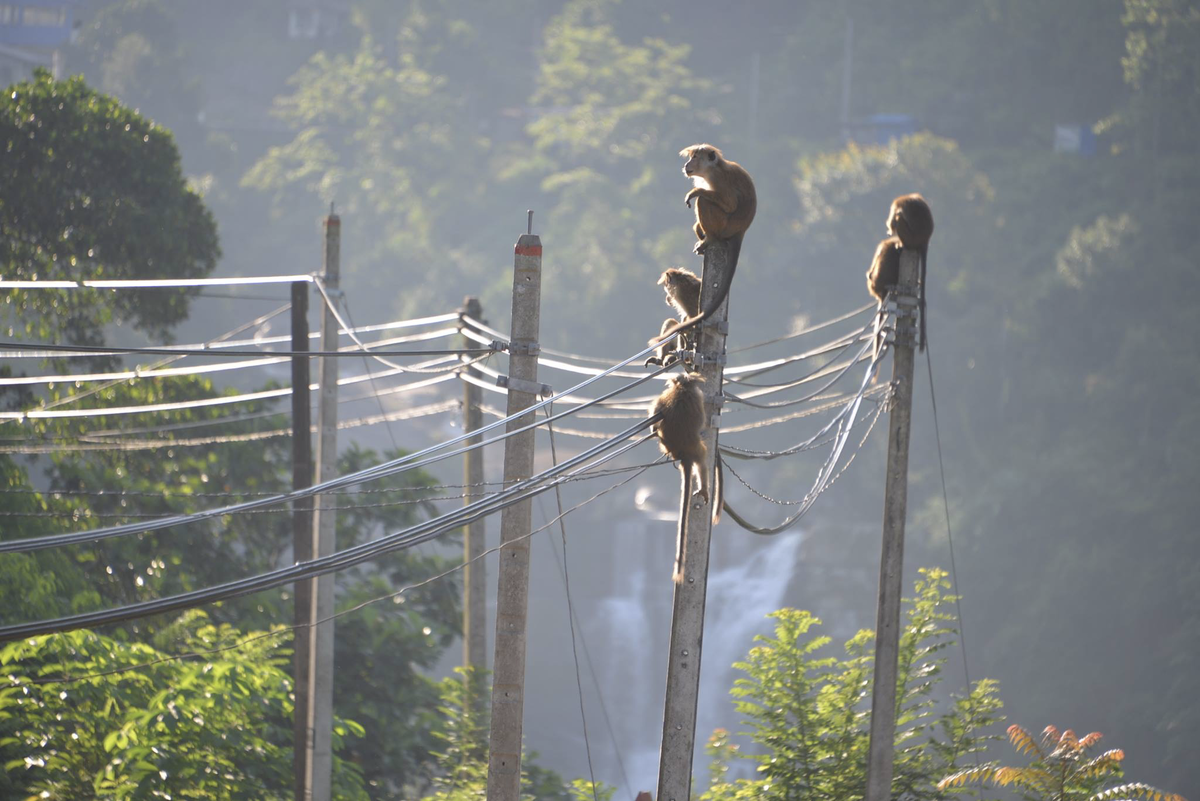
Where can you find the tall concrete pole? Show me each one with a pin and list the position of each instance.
(302, 475)
(891, 563)
(508, 668)
(687, 620)
(325, 525)
(475, 572)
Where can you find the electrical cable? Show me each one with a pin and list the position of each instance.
(40, 350)
(219, 400)
(410, 537)
(159, 283)
(288, 629)
(962, 637)
(400, 464)
(819, 487)
(838, 370)
(152, 372)
(570, 606)
(846, 425)
(374, 389)
(86, 443)
(257, 322)
(808, 330)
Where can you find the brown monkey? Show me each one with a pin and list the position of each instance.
(911, 220)
(725, 206)
(882, 278)
(682, 289)
(665, 354)
(679, 435)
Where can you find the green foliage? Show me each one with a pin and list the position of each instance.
(90, 189)
(213, 727)
(1062, 769)
(809, 715)
(463, 758)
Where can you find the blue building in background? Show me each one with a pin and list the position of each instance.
(32, 34)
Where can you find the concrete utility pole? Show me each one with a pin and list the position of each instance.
(687, 620)
(512, 596)
(891, 563)
(302, 474)
(475, 572)
(325, 526)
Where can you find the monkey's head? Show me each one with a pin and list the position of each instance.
(910, 219)
(685, 382)
(677, 279)
(701, 160)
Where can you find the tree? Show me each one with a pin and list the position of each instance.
(91, 189)
(809, 717)
(1061, 770)
(98, 717)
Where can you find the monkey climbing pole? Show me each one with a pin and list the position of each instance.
(687, 619)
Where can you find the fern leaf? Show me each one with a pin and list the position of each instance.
(981, 773)
(1023, 741)
(1135, 792)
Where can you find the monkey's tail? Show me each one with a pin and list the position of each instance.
(735, 249)
(685, 505)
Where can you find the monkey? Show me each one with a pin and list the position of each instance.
(665, 355)
(725, 207)
(682, 289)
(911, 220)
(679, 435)
(881, 278)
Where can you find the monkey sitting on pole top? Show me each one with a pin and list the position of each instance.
(911, 221)
(725, 207)
(682, 290)
(679, 433)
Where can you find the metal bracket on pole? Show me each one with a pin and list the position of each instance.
(523, 348)
(521, 385)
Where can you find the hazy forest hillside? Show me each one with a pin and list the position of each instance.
(1060, 319)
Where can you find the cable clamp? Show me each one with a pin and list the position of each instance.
(498, 345)
(523, 348)
(702, 359)
(521, 385)
(334, 292)
(720, 326)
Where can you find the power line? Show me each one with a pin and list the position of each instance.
(340, 560)
(962, 637)
(85, 444)
(154, 372)
(44, 351)
(807, 330)
(288, 629)
(400, 464)
(256, 322)
(158, 283)
(570, 605)
(220, 400)
(825, 476)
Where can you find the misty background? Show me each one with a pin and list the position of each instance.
(1056, 144)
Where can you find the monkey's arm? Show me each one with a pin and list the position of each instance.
(725, 201)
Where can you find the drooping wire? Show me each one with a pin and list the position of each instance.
(287, 629)
(962, 637)
(562, 524)
(404, 463)
(407, 538)
(370, 374)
